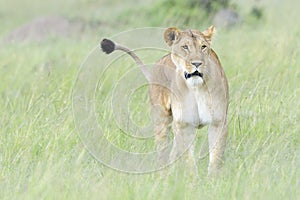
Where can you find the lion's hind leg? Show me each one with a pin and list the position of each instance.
(162, 124)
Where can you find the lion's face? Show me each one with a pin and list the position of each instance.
(190, 53)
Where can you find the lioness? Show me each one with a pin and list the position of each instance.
(189, 89)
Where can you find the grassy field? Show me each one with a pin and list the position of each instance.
(43, 157)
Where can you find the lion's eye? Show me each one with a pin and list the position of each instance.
(185, 47)
(203, 47)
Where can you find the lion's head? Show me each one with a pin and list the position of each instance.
(190, 52)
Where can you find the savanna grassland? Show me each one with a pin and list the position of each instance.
(43, 157)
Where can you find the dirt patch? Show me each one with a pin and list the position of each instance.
(42, 28)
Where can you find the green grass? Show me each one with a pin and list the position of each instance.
(42, 156)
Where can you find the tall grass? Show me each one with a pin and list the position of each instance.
(42, 157)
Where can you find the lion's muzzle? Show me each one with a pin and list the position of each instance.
(195, 73)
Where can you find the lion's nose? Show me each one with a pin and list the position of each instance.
(196, 63)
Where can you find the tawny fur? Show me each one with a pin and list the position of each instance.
(186, 104)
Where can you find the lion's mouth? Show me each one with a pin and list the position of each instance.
(195, 73)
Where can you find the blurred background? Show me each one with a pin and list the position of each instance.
(44, 42)
(35, 20)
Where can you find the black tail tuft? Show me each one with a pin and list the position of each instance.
(107, 46)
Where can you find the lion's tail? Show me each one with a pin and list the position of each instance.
(109, 46)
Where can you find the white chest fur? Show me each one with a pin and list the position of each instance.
(194, 108)
(203, 100)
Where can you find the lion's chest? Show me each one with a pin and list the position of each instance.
(194, 109)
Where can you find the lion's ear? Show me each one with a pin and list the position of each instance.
(208, 33)
(171, 34)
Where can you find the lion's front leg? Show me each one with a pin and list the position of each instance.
(183, 145)
(217, 134)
